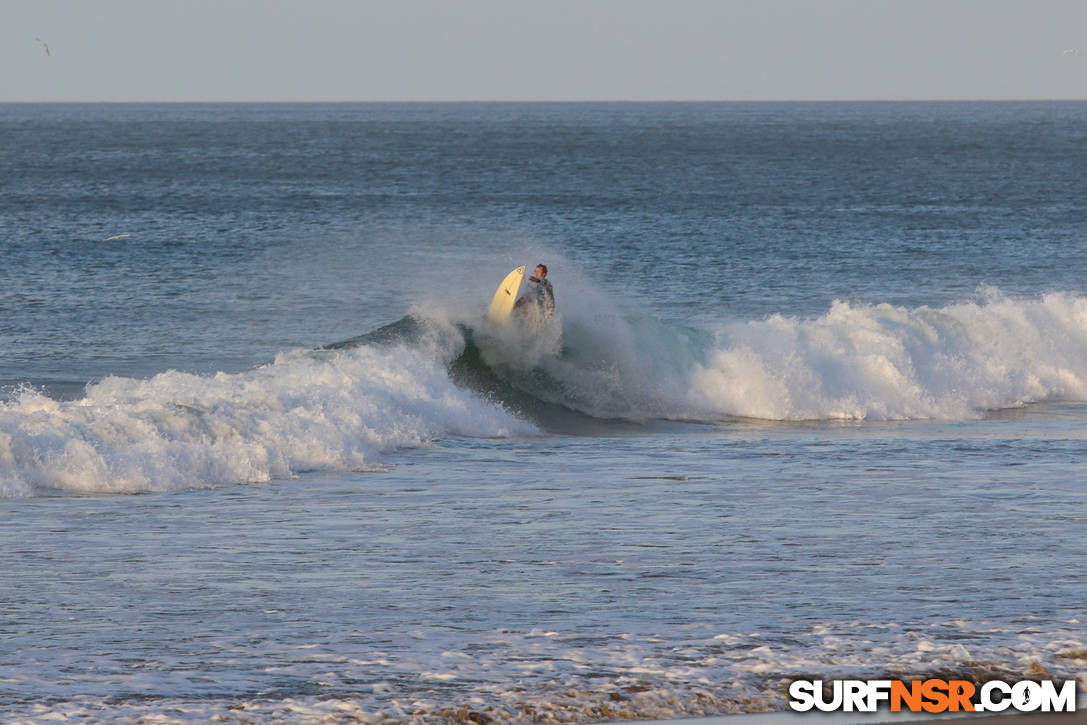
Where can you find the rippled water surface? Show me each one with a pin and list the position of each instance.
(813, 403)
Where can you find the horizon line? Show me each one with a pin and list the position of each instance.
(547, 101)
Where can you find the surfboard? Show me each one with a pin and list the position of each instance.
(505, 296)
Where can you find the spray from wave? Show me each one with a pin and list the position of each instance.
(856, 362)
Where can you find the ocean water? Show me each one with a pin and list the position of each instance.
(814, 402)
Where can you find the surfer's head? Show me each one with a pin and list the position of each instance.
(541, 270)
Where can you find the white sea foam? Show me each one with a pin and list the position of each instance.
(885, 362)
(618, 676)
(339, 410)
(856, 362)
(304, 412)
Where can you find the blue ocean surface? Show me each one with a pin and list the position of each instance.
(813, 404)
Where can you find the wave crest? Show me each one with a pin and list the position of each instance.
(427, 377)
(865, 362)
(306, 411)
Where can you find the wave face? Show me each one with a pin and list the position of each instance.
(856, 362)
(431, 375)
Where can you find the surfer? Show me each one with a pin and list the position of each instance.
(542, 294)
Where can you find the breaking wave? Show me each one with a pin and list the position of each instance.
(302, 412)
(856, 362)
(433, 375)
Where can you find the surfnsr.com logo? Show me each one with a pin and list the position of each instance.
(933, 696)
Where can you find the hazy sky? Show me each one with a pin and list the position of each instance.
(363, 50)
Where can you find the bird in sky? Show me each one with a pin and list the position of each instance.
(1072, 51)
(44, 45)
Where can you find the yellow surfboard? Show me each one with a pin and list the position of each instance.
(505, 296)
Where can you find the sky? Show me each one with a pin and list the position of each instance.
(546, 50)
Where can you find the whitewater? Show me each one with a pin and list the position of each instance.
(348, 407)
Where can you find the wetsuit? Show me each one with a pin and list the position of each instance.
(545, 296)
